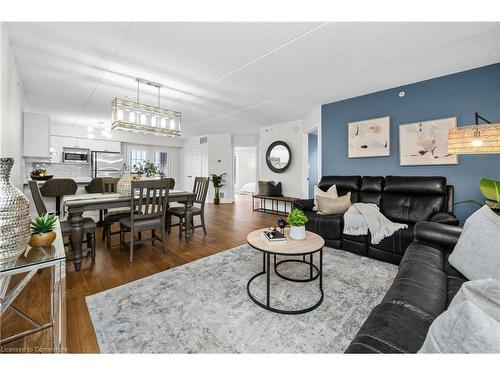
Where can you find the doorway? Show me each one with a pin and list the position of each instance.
(192, 166)
(245, 170)
(312, 159)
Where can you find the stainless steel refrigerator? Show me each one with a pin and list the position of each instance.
(107, 164)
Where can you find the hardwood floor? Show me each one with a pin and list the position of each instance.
(227, 227)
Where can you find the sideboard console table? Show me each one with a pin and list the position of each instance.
(52, 258)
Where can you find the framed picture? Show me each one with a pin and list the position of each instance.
(369, 138)
(426, 142)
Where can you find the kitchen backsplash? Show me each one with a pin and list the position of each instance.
(59, 170)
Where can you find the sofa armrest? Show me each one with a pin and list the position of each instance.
(445, 218)
(304, 204)
(440, 234)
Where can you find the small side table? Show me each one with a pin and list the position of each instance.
(52, 257)
(305, 248)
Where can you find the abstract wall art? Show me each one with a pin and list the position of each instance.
(369, 138)
(426, 142)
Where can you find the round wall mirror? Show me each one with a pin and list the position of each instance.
(278, 156)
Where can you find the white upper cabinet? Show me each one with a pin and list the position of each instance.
(105, 146)
(56, 149)
(36, 135)
(73, 142)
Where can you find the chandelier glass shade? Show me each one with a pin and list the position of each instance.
(137, 117)
(474, 139)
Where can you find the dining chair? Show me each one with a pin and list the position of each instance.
(109, 185)
(89, 225)
(148, 204)
(58, 187)
(200, 188)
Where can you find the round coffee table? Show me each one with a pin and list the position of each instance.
(306, 248)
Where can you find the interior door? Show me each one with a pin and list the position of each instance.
(192, 167)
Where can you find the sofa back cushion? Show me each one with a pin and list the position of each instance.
(344, 185)
(371, 189)
(408, 199)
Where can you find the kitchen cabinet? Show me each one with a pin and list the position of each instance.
(73, 142)
(105, 146)
(36, 135)
(56, 149)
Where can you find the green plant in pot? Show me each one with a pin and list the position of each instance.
(218, 182)
(42, 230)
(147, 168)
(297, 221)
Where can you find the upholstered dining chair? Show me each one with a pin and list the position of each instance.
(148, 205)
(200, 188)
(89, 225)
(108, 185)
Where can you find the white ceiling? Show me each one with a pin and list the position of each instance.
(234, 77)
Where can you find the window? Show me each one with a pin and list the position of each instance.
(137, 156)
(161, 160)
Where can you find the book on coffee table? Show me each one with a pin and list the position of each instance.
(274, 236)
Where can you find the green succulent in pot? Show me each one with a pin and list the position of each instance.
(297, 220)
(42, 230)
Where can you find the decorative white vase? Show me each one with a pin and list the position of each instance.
(297, 233)
(14, 216)
(124, 185)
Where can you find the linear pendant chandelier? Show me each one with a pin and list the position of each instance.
(137, 117)
(475, 139)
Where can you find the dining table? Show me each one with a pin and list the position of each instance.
(76, 205)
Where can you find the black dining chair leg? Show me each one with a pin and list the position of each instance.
(181, 226)
(132, 235)
(122, 237)
(202, 217)
(108, 237)
(103, 237)
(169, 223)
(93, 248)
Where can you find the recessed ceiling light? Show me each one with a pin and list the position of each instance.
(401, 94)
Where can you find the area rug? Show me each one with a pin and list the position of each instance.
(203, 306)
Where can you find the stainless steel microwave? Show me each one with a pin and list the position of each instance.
(76, 155)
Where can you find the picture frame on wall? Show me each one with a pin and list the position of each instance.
(426, 142)
(369, 138)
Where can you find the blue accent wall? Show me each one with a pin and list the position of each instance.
(460, 95)
(312, 149)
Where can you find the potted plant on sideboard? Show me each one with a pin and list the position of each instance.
(42, 230)
(218, 182)
(297, 220)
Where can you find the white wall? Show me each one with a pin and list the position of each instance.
(220, 160)
(11, 109)
(216, 157)
(246, 168)
(292, 178)
(310, 122)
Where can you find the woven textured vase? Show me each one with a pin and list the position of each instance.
(14, 216)
(124, 184)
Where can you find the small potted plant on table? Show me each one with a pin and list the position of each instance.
(42, 230)
(297, 220)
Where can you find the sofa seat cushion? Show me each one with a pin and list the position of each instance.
(391, 328)
(423, 253)
(420, 288)
(327, 226)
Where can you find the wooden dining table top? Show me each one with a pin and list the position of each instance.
(111, 200)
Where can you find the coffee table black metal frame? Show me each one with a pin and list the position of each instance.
(315, 272)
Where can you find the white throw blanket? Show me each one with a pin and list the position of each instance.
(361, 217)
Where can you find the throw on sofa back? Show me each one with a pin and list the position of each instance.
(409, 199)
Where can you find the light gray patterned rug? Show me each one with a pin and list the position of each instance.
(203, 307)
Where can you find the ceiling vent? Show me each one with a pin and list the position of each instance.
(203, 140)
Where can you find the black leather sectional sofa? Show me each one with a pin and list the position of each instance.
(402, 199)
(423, 288)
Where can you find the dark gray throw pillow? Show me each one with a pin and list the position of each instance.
(275, 190)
